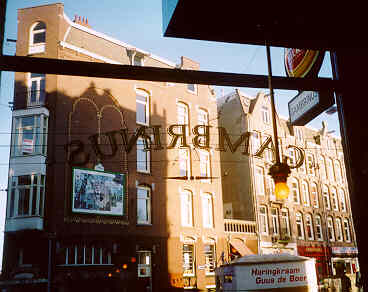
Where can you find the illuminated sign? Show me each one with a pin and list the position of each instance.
(302, 63)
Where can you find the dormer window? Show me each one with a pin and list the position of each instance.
(37, 38)
(138, 60)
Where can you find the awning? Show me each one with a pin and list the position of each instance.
(241, 247)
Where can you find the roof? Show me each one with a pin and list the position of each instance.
(314, 25)
(268, 258)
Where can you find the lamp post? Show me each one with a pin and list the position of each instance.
(280, 170)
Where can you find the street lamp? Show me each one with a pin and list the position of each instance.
(280, 170)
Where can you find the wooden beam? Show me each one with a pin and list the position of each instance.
(105, 70)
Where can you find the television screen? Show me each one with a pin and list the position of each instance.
(98, 192)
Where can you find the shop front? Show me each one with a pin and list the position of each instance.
(322, 255)
(348, 256)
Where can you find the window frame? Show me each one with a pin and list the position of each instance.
(148, 199)
(211, 265)
(275, 221)
(182, 114)
(39, 135)
(305, 194)
(318, 223)
(265, 112)
(285, 219)
(259, 185)
(334, 198)
(293, 188)
(309, 223)
(205, 164)
(184, 160)
(263, 227)
(40, 92)
(146, 104)
(143, 166)
(37, 47)
(342, 201)
(330, 229)
(299, 226)
(315, 195)
(339, 232)
(186, 200)
(207, 200)
(326, 197)
(192, 255)
(347, 230)
(36, 200)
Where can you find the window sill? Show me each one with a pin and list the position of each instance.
(188, 275)
(142, 124)
(144, 224)
(210, 274)
(143, 172)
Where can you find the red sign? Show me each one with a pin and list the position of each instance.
(302, 63)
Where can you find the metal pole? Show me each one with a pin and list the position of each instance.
(277, 153)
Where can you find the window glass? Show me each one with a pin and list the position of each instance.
(184, 162)
(330, 229)
(204, 159)
(326, 197)
(335, 204)
(314, 195)
(275, 221)
(309, 226)
(263, 222)
(265, 115)
(339, 235)
(299, 225)
(305, 192)
(188, 259)
(342, 200)
(259, 181)
(207, 210)
(347, 230)
(210, 259)
(36, 90)
(322, 167)
(295, 191)
(319, 234)
(285, 225)
(143, 156)
(142, 108)
(143, 205)
(186, 208)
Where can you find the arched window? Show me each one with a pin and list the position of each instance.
(322, 167)
(318, 222)
(182, 110)
(314, 195)
(305, 194)
(309, 226)
(295, 191)
(263, 221)
(186, 199)
(347, 230)
(338, 172)
(202, 120)
(326, 197)
(37, 38)
(335, 204)
(339, 236)
(330, 229)
(330, 170)
(299, 225)
(342, 200)
(310, 164)
(207, 210)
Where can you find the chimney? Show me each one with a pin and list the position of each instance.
(82, 21)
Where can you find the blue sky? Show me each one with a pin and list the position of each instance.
(139, 23)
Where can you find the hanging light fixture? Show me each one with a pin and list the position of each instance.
(280, 170)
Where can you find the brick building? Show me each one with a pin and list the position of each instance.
(89, 207)
(316, 218)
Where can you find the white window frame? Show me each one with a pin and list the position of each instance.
(146, 103)
(314, 194)
(265, 114)
(322, 167)
(147, 199)
(295, 191)
(36, 195)
(144, 165)
(39, 47)
(259, 186)
(204, 164)
(182, 111)
(292, 156)
(299, 225)
(38, 144)
(270, 185)
(39, 90)
(210, 258)
(186, 208)
(330, 229)
(285, 220)
(338, 172)
(335, 202)
(310, 164)
(339, 234)
(305, 193)
(309, 224)
(256, 141)
(275, 221)
(326, 197)
(347, 230)
(319, 233)
(71, 259)
(330, 170)
(207, 210)
(184, 163)
(203, 119)
(263, 220)
(138, 60)
(298, 134)
(342, 200)
(190, 272)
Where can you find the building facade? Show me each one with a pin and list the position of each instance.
(101, 195)
(316, 218)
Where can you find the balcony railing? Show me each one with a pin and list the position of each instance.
(240, 226)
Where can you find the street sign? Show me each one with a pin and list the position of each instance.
(307, 105)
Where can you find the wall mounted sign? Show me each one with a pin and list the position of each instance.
(307, 105)
(98, 192)
(344, 250)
